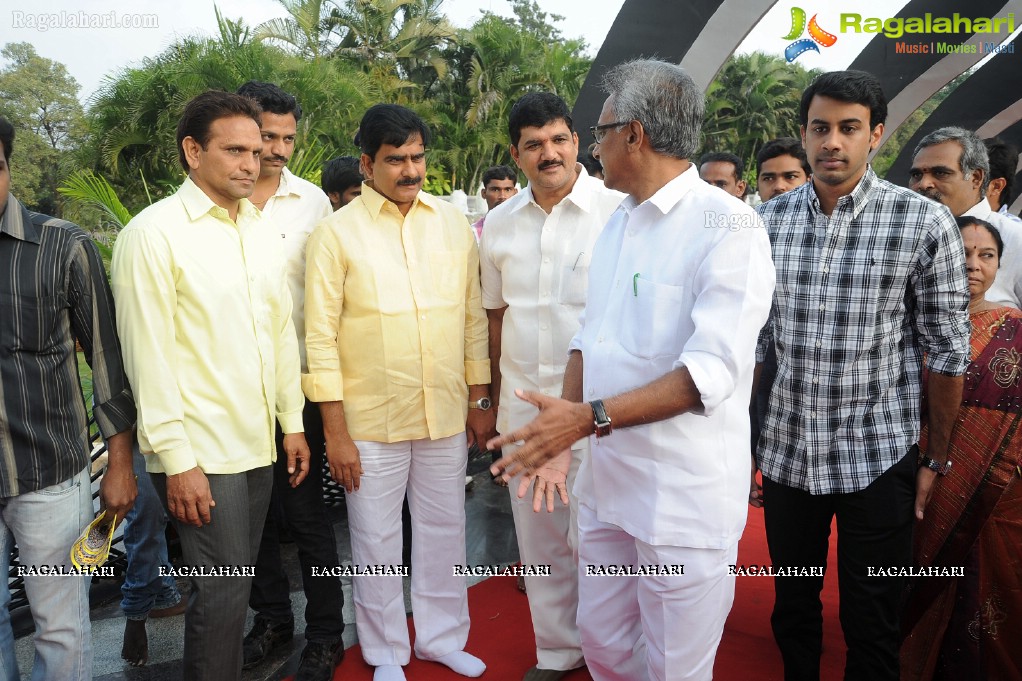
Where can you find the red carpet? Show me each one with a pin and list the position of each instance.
(501, 633)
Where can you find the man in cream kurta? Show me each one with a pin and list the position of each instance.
(396, 340)
(535, 255)
(204, 316)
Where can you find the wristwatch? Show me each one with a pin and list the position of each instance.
(938, 468)
(600, 419)
(482, 403)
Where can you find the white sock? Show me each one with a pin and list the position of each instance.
(389, 672)
(461, 662)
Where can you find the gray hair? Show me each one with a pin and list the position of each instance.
(663, 98)
(974, 152)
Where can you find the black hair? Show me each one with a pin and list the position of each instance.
(271, 98)
(590, 162)
(202, 110)
(783, 146)
(851, 87)
(1003, 163)
(389, 124)
(967, 220)
(339, 174)
(7, 138)
(724, 157)
(534, 110)
(499, 173)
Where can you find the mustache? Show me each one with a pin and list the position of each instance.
(409, 181)
(931, 194)
(276, 158)
(549, 164)
(821, 159)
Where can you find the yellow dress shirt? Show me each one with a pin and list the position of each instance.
(394, 324)
(204, 316)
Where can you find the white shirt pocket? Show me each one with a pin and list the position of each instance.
(651, 322)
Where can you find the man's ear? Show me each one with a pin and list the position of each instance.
(366, 164)
(191, 148)
(995, 188)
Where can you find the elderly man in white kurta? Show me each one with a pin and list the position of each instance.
(535, 256)
(659, 374)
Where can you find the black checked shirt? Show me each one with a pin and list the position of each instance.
(53, 289)
(861, 296)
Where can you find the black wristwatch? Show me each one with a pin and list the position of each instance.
(483, 403)
(600, 419)
(938, 468)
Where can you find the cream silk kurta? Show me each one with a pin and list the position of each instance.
(204, 317)
(394, 322)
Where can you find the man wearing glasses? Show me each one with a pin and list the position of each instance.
(535, 254)
(660, 374)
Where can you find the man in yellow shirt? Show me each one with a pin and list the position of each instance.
(204, 316)
(397, 353)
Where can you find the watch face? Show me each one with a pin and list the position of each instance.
(483, 403)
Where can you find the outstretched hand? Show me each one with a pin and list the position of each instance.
(559, 425)
(549, 479)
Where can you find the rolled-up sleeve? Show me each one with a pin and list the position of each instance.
(95, 327)
(941, 291)
(735, 282)
(144, 290)
(325, 271)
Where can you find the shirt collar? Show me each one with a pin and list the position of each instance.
(581, 193)
(981, 210)
(197, 204)
(288, 186)
(17, 222)
(668, 196)
(374, 201)
(858, 197)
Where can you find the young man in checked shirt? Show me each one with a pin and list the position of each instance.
(869, 278)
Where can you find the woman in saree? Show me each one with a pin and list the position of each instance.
(964, 620)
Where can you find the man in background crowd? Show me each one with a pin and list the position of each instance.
(781, 166)
(498, 186)
(724, 171)
(292, 207)
(341, 180)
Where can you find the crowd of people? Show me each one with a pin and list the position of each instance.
(619, 336)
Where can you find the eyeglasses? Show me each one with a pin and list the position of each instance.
(600, 131)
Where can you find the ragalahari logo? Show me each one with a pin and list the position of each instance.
(816, 36)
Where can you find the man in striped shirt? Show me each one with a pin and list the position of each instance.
(53, 291)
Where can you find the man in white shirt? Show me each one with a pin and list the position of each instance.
(680, 283)
(204, 317)
(551, 227)
(292, 207)
(950, 165)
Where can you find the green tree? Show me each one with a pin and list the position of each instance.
(40, 99)
(754, 98)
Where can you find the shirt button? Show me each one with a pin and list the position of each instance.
(819, 344)
(546, 294)
(546, 260)
(812, 414)
(422, 317)
(592, 391)
(543, 327)
(823, 307)
(826, 270)
(600, 339)
(816, 380)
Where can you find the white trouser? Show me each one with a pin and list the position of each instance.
(551, 539)
(433, 472)
(655, 628)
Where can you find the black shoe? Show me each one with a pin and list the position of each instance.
(319, 661)
(264, 638)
